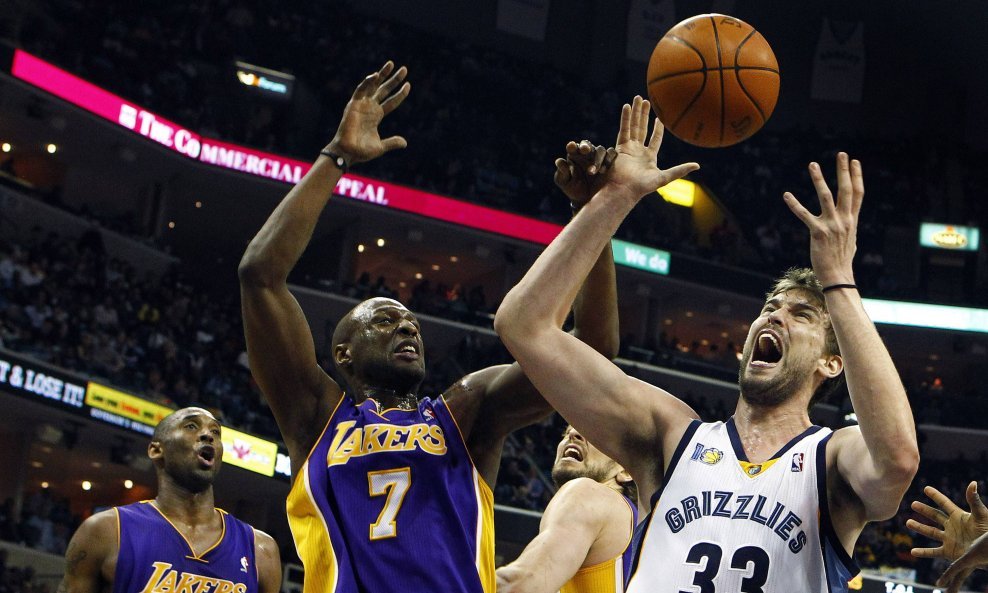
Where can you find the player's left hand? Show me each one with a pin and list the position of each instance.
(357, 139)
(975, 557)
(581, 174)
(833, 234)
(957, 528)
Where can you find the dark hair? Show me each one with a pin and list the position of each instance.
(630, 490)
(805, 279)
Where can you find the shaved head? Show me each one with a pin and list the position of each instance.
(168, 422)
(358, 316)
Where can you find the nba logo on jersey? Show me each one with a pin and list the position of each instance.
(243, 564)
(797, 462)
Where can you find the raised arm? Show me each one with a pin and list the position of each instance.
(584, 524)
(280, 348)
(86, 566)
(495, 401)
(595, 396)
(878, 459)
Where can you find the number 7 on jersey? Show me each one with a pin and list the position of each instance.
(392, 483)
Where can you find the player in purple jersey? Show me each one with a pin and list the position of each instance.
(391, 492)
(179, 541)
(584, 540)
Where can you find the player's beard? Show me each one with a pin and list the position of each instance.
(564, 473)
(770, 391)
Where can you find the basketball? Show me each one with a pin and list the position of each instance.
(713, 80)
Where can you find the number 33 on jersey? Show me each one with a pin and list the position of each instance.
(721, 524)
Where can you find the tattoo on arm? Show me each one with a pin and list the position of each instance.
(73, 559)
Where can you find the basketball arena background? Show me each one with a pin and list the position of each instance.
(142, 147)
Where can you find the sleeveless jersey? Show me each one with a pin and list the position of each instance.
(610, 576)
(720, 523)
(155, 557)
(390, 501)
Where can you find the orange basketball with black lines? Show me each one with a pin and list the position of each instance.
(713, 80)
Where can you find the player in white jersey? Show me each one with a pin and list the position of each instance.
(766, 501)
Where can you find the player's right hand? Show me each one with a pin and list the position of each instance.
(957, 528)
(357, 139)
(635, 172)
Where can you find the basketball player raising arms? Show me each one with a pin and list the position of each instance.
(390, 492)
(765, 501)
(584, 538)
(179, 541)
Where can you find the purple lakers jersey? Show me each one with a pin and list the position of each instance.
(155, 557)
(390, 501)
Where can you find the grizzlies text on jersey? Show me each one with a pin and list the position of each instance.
(390, 501)
(721, 523)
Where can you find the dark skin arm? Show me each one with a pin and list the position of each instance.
(91, 557)
(491, 403)
(280, 347)
(268, 560)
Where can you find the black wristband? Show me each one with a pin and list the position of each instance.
(838, 286)
(339, 161)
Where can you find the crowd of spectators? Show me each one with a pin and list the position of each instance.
(45, 523)
(177, 59)
(17, 579)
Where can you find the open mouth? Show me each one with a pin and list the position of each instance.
(768, 348)
(207, 455)
(573, 452)
(407, 350)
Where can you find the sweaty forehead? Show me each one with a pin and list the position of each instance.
(363, 312)
(797, 296)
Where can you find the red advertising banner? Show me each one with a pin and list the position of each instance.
(270, 166)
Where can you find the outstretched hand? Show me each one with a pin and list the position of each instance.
(581, 174)
(955, 528)
(357, 139)
(635, 172)
(833, 234)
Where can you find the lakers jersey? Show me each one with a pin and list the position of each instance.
(390, 501)
(721, 523)
(610, 576)
(155, 557)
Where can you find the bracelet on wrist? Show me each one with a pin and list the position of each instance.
(838, 286)
(339, 161)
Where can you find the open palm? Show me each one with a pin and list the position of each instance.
(358, 138)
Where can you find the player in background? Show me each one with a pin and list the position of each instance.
(391, 492)
(179, 541)
(584, 539)
(766, 501)
(963, 535)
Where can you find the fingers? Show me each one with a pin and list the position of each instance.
(609, 158)
(928, 552)
(389, 84)
(857, 186)
(599, 153)
(638, 127)
(822, 190)
(624, 131)
(564, 172)
(935, 515)
(975, 503)
(394, 143)
(368, 85)
(678, 172)
(844, 193)
(392, 102)
(655, 141)
(799, 210)
(948, 507)
(927, 530)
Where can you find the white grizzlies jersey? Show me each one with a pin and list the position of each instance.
(723, 525)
